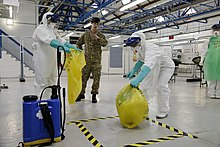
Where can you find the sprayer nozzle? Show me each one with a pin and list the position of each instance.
(54, 92)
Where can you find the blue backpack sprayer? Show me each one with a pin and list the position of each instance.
(42, 119)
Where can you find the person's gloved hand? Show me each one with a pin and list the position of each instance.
(130, 75)
(55, 44)
(143, 73)
(137, 66)
(71, 46)
(67, 50)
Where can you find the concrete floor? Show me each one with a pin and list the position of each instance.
(191, 111)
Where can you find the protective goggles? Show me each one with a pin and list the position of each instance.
(132, 41)
(54, 18)
(216, 27)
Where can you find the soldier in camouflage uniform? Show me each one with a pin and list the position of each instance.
(93, 40)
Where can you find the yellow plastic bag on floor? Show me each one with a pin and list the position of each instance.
(132, 106)
(75, 61)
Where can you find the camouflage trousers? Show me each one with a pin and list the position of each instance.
(95, 69)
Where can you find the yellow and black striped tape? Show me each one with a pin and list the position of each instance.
(91, 119)
(172, 129)
(154, 141)
(151, 120)
(88, 135)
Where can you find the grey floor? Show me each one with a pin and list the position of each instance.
(191, 111)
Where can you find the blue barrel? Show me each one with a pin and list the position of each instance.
(34, 131)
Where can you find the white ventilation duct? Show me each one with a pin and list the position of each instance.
(8, 8)
(10, 2)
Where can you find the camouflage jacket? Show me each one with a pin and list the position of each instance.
(92, 47)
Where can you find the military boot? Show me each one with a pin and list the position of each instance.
(94, 100)
(81, 96)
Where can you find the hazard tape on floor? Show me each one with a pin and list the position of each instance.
(151, 120)
(172, 128)
(95, 142)
(92, 119)
(154, 141)
(88, 135)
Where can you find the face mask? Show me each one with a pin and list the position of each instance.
(52, 25)
(215, 33)
(138, 52)
(136, 49)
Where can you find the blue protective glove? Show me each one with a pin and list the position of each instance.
(55, 43)
(71, 46)
(135, 69)
(143, 73)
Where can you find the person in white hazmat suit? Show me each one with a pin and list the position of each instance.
(156, 70)
(210, 54)
(46, 41)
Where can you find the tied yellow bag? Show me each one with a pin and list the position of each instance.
(75, 61)
(132, 106)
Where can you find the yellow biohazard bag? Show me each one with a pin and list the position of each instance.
(75, 61)
(132, 106)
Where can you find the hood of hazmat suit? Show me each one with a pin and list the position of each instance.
(140, 50)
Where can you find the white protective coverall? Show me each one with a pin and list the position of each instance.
(214, 85)
(162, 68)
(44, 57)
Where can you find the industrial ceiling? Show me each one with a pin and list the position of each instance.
(151, 15)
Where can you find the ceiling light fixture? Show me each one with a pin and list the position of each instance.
(87, 25)
(94, 5)
(147, 29)
(158, 3)
(70, 34)
(124, 2)
(116, 45)
(160, 18)
(104, 12)
(132, 4)
(190, 11)
(115, 37)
